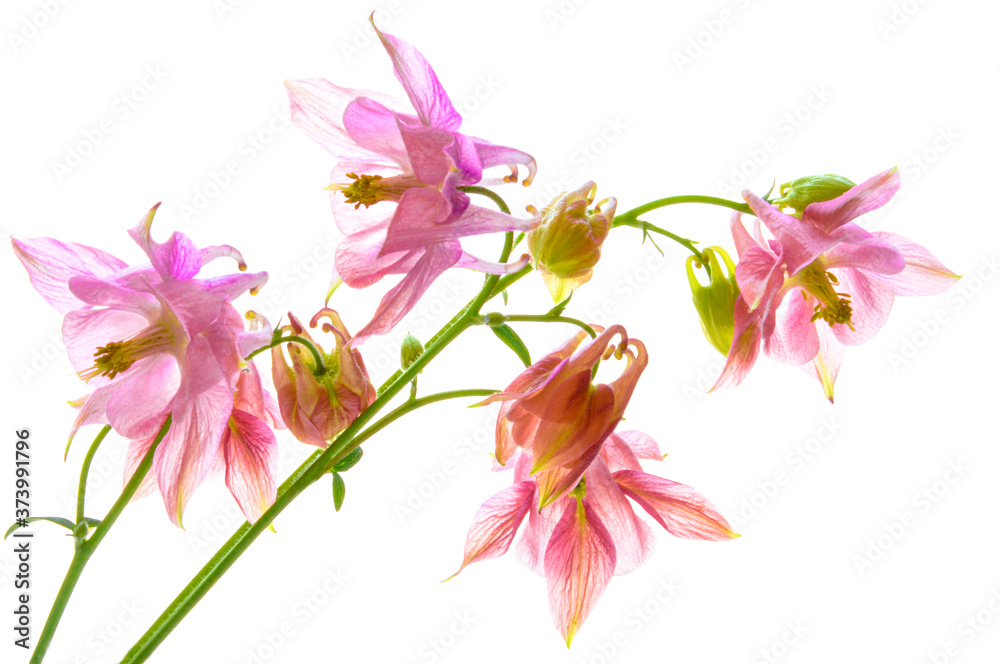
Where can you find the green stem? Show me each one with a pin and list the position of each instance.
(647, 227)
(311, 470)
(317, 356)
(634, 213)
(488, 193)
(85, 548)
(81, 492)
(546, 318)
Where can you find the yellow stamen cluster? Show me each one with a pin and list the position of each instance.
(832, 307)
(118, 356)
(370, 189)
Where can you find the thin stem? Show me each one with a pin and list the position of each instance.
(634, 213)
(646, 227)
(312, 469)
(81, 492)
(545, 318)
(85, 549)
(488, 193)
(302, 341)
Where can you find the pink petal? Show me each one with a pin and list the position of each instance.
(177, 258)
(530, 548)
(140, 398)
(426, 149)
(641, 443)
(133, 457)
(745, 348)
(801, 243)
(871, 301)
(421, 84)
(579, 562)
(496, 522)
(471, 262)
(374, 127)
(250, 453)
(826, 365)
(98, 292)
(234, 285)
(677, 507)
(633, 539)
(51, 264)
(741, 238)
(756, 270)
(85, 330)
(924, 274)
(561, 442)
(479, 220)
(871, 194)
(405, 295)
(491, 155)
(189, 449)
(861, 249)
(794, 339)
(416, 222)
(554, 484)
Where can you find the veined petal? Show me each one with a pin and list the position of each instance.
(99, 292)
(677, 507)
(137, 449)
(478, 220)
(871, 194)
(496, 522)
(530, 548)
(579, 561)
(755, 272)
(426, 149)
(801, 243)
(177, 258)
(557, 443)
(234, 285)
(416, 222)
(641, 443)
(140, 398)
(249, 450)
(923, 274)
(632, 538)
(745, 348)
(189, 449)
(741, 238)
(794, 339)
(470, 262)
(421, 83)
(862, 249)
(499, 155)
(554, 484)
(85, 330)
(871, 301)
(51, 264)
(826, 365)
(405, 295)
(373, 126)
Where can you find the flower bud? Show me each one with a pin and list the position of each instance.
(716, 302)
(410, 351)
(317, 408)
(567, 245)
(799, 193)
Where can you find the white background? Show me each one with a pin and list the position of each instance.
(595, 90)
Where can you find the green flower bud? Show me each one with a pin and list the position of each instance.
(410, 351)
(716, 302)
(799, 193)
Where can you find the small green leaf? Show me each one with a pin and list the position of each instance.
(503, 293)
(349, 461)
(339, 491)
(559, 308)
(58, 520)
(507, 335)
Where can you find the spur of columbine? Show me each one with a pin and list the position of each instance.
(394, 189)
(154, 341)
(555, 412)
(592, 533)
(822, 282)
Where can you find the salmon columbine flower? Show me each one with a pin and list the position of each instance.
(318, 407)
(555, 412)
(394, 190)
(567, 245)
(592, 533)
(823, 282)
(153, 341)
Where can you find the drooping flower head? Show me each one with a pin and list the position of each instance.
(153, 340)
(567, 245)
(318, 406)
(394, 188)
(592, 533)
(716, 302)
(554, 411)
(823, 282)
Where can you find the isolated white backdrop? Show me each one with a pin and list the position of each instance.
(647, 99)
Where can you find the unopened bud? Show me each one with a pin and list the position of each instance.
(716, 302)
(799, 193)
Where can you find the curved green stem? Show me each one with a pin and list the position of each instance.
(488, 193)
(81, 492)
(647, 227)
(545, 318)
(302, 341)
(315, 467)
(85, 548)
(634, 213)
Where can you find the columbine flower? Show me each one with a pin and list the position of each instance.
(394, 187)
(567, 244)
(823, 282)
(554, 411)
(716, 302)
(153, 340)
(579, 542)
(317, 408)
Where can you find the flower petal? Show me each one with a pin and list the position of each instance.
(579, 561)
(177, 258)
(871, 301)
(51, 264)
(250, 453)
(924, 274)
(826, 365)
(861, 249)
(633, 539)
(140, 398)
(871, 194)
(801, 243)
(496, 522)
(677, 507)
(794, 339)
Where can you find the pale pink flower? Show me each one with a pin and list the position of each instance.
(412, 165)
(555, 412)
(580, 541)
(153, 340)
(823, 282)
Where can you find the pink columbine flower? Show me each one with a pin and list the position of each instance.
(579, 542)
(823, 282)
(411, 165)
(152, 340)
(317, 408)
(554, 411)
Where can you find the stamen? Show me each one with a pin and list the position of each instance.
(118, 356)
(831, 306)
(370, 189)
